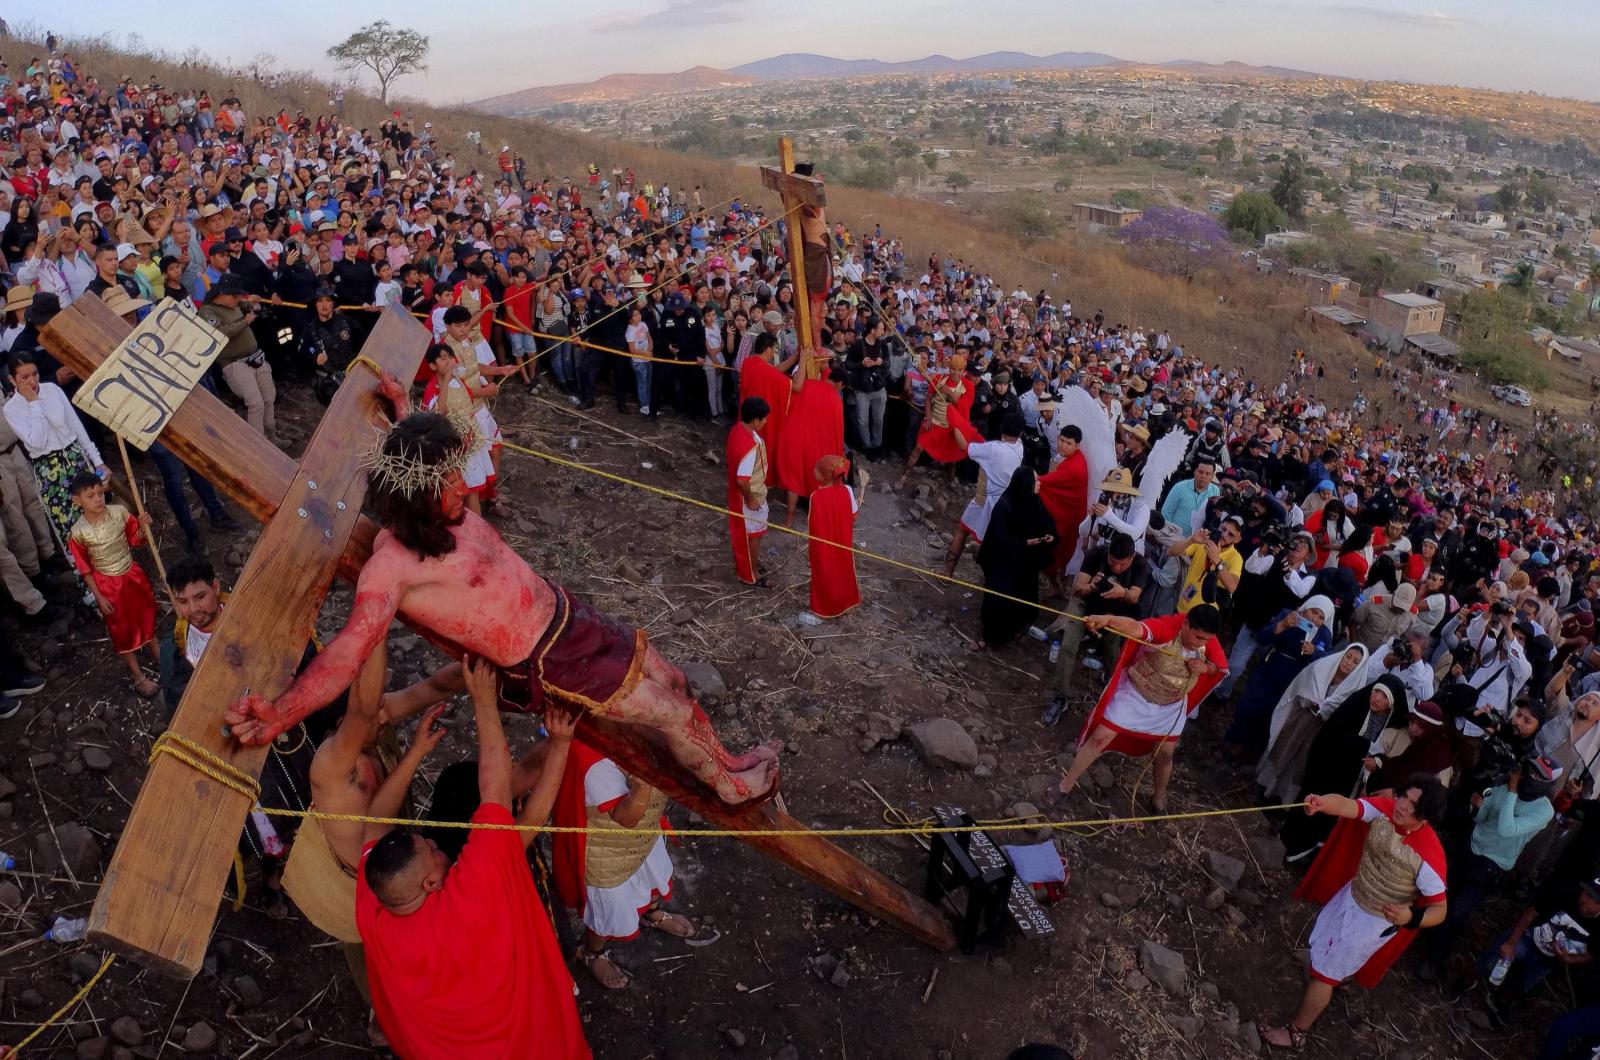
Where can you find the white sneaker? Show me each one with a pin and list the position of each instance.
(644, 410)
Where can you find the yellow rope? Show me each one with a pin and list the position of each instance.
(708, 506)
(913, 828)
(368, 363)
(7, 1053)
(198, 758)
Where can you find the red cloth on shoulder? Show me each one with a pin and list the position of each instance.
(741, 440)
(572, 811)
(1162, 629)
(1065, 493)
(759, 379)
(476, 972)
(1336, 863)
(833, 570)
(940, 442)
(814, 429)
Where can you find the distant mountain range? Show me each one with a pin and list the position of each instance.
(799, 66)
(614, 86)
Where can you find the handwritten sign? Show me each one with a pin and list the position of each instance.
(140, 385)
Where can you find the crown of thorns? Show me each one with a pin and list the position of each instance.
(407, 473)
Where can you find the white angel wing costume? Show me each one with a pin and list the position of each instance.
(1164, 458)
(1099, 449)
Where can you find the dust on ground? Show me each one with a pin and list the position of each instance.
(793, 973)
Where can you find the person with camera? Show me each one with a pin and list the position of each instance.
(242, 364)
(1508, 813)
(1275, 578)
(1560, 927)
(1110, 582)
(1214, 565)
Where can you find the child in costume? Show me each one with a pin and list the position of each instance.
(102, 543)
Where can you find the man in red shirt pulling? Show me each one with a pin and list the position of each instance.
(463, 962)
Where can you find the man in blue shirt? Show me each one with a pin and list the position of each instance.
(1188, 497)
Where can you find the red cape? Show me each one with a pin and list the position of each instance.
(571, 811)
(759, 379)
(1065, 493)
(814, 429)
(1159, 630)
(833, 570)
(1336, 864)
(939, 442)
(741, 440)
(476, 973)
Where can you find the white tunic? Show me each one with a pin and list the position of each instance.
(999, 461)
(613, 912)
(1345, 936)
(755, 519)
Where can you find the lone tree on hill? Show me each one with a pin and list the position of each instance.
(1289, 192)
(390, 52)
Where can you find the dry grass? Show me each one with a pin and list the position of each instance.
(1241, 320)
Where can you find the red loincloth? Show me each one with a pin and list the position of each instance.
(476, 972)
(132, 623)
(1159, 630)
(585, 659)
(814, 429)
(1336, 863)
(741, 440)
(833, 570)
(759, 379)
(940, 442)
(1065, 493)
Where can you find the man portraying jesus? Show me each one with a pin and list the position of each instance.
(447, 570)
(1156, 687)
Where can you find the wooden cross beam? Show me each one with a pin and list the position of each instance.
(161, 892)
(798, 191)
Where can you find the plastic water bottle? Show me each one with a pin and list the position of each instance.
(7, 862)
(1501, 968)
(1038, 634)
(1055, 649)
(65, 930)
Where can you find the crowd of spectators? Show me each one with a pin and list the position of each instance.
(1395, 597)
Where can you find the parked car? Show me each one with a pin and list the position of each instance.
(1512, 395)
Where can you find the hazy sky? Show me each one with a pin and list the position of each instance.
(490, 46)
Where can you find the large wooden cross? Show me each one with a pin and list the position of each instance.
(161, 892)
(797, 191)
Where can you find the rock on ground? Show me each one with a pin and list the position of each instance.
(1165, 967)
(1225, 869)
(72, 847)
(943, 742)
(200, 1038)
(705, 681)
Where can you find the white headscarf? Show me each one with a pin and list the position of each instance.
(1321, 603)
(1315, 685)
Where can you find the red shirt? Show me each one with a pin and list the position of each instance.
(475, 973)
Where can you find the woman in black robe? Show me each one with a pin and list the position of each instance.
(1338, 755)
(1017, 547)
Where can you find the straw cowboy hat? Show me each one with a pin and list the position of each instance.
(118, 301)
(19, 298)
(1119, 481)
(1141, 432)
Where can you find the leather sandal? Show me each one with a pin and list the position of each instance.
(669, 923)
(602, 968)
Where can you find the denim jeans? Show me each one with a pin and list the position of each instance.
(172, 473)
(1579, 1025)
(1239, 658)
(1528, 967)
(563, 365)
(867, 407)
(521, 345)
